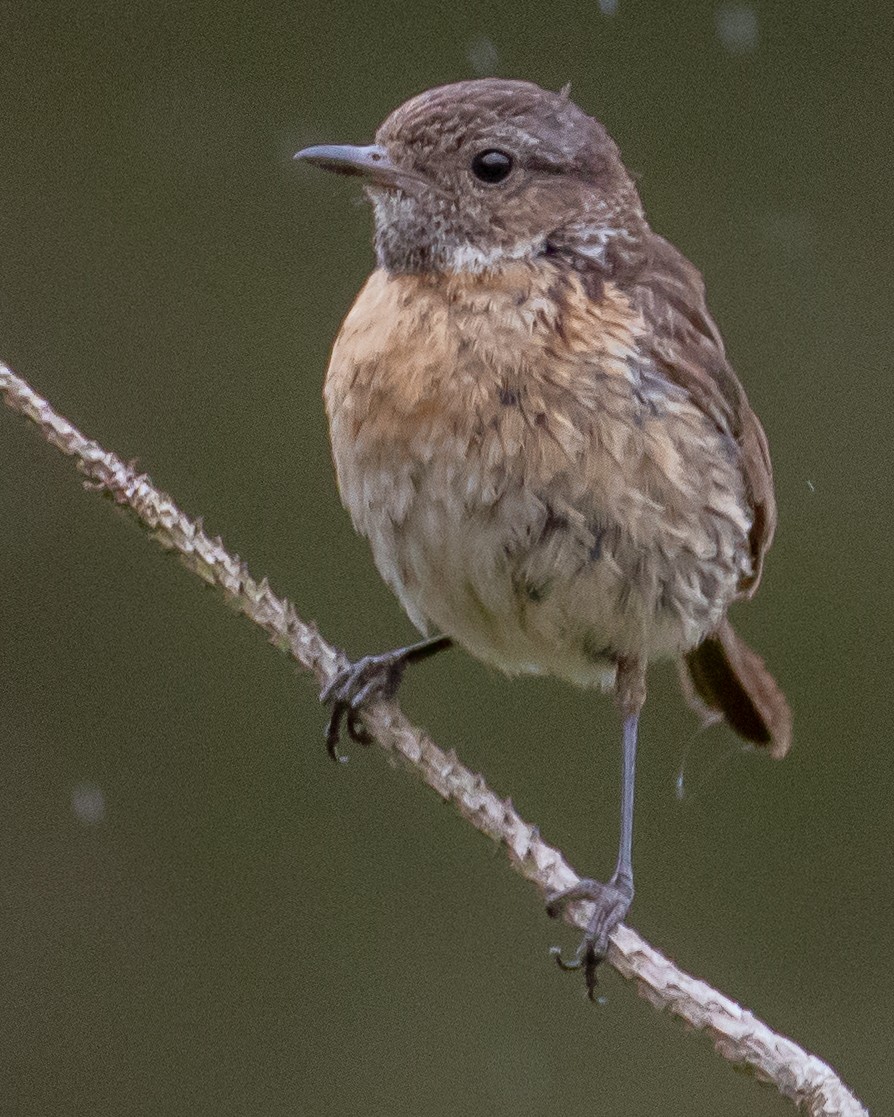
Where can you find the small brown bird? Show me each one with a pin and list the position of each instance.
(535, 424)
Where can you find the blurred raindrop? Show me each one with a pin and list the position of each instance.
(737, 27)
(482, 56)
(608, 7)
(88, 803)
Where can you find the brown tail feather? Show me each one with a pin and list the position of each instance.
(727, 679)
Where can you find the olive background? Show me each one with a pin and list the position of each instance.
(200, 913)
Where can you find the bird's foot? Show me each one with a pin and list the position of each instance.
(612, 902)
(374, 678)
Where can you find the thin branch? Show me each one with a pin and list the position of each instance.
(736, 1033)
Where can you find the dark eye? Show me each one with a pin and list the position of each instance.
(491, 166)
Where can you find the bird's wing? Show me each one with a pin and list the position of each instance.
(684, 343)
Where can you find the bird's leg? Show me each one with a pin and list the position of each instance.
(612, 900)
(374, 678)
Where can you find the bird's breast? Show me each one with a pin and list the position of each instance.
(527, 483)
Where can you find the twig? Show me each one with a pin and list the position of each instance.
(736, 1033)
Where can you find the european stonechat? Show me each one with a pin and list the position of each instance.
(535, 424)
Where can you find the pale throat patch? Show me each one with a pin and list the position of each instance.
(408, 239)
(470, 259)
(591, 241)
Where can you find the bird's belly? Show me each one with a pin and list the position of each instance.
(459, 566)
(531, 584)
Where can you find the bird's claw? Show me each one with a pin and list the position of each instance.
(566, 964)
(374, 678)
(585, 958)
(612, 902)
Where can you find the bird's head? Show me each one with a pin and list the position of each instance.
(471, 176)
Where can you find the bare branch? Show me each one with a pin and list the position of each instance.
(736, 1033)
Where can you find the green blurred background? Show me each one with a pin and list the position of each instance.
(200, 913)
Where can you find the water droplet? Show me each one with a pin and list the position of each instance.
(736, 26)
(88, 803)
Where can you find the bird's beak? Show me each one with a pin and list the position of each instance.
(371, 162)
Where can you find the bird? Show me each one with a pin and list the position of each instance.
(535, 424)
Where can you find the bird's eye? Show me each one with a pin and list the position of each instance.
(491, 166)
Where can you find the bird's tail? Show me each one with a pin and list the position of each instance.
(724, 679)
